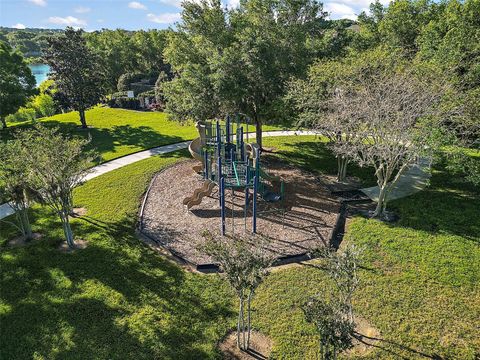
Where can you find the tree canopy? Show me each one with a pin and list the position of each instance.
(75, 70)
(16, 81)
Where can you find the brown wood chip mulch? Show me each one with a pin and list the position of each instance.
(309, 217)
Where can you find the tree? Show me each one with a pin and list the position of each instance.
(239, 60)
(245, 263)
(57, 164)
(75, 71)
(394, 119)
(159, 84)
(16, 82)
(330, 318)
(16, 185)
(342, 267)
(310, 96)
(333, 315)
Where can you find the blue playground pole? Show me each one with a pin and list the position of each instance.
(219, 140)
(242, 150)
(219, 176)
(247, 183)
(205, 160)
(227, 131)
(222, 202)
(254, 220)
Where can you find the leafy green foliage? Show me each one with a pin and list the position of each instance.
(115, 299)
(75, 71)
(240, 60)
(333, 326)
(54, 166)
(16, 82)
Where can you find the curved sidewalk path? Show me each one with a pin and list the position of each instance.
(414, 180)
(6, 210)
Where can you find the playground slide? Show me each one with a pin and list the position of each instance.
(199, 194)
(195, 149)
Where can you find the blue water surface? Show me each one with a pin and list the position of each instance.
(40, 71)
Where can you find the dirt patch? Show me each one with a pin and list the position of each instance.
(260, 347)
(78, 212)
(79, 244)
(20, 240)
(309, 215)
(367, 338)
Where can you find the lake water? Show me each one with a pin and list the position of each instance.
(40, 71)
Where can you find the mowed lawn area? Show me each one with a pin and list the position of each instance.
(119, 132)
(118, 299)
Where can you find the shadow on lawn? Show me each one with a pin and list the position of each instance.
(393, 348)
(105, 140)
(114, 299)
(315, 156)
(449, 205)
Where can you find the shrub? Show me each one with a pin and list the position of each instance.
(43, 105)
(125, 81)
(124, 103)
(23, 114)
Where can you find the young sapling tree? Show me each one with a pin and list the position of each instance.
(330, 318)
(245, 265)
(16, 185)
(342, 267)
(57, 165)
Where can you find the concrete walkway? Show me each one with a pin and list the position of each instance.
(411, 181)
(6, 210)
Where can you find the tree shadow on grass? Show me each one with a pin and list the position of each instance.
(394, 348)
(315, 156)
(114, 299)
(449, 205)
(106, 140)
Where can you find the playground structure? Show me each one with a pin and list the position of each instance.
(228, 162)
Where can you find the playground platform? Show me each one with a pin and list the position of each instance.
(307, 224)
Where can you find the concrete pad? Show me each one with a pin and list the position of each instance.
(410, 182)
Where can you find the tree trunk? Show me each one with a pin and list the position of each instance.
(26, 226)
(379, 210)
(249, 328)
(82, 118)
(67, 230)
(342, 168)
(258, 130)
(239, 320)
(4, 122)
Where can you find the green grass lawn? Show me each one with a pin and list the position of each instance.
(119, 132)
(117, 299)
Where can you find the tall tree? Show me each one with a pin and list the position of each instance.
(395, 119)
(75, 71)
(16, 82)
(240, 60)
